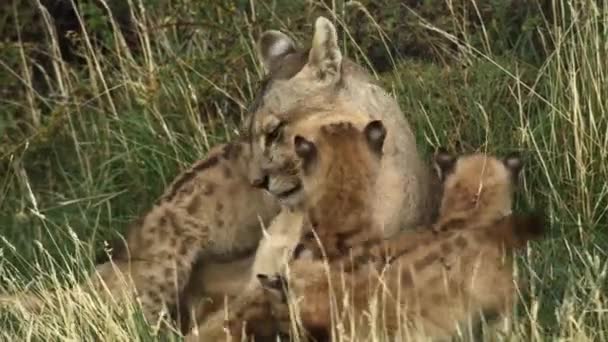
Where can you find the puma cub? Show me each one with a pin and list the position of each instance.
(422, 283)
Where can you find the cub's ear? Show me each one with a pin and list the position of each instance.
(444, 163)
(325, 57)
(272, 47)
(514, 164)
(375, 133)
(306, 150)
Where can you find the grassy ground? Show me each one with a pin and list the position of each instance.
(93, 151)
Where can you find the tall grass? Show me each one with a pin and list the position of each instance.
(113, 132)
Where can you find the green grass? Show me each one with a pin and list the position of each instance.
(100, 148)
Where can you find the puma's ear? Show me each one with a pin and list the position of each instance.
(375, 133)
(272, 47)
(306, 150)
(325, 56)
(444, 163)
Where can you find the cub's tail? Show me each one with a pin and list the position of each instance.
(516, 230)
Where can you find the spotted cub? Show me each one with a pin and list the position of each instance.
(208, 218)
(422, 283)
(343, 161)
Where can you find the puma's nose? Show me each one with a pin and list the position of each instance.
(261, 182)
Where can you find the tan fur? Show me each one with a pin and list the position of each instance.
(281, 164)
(218, 282)
(320, 80)
(276, 247)
(273, 253)
(436, 279)
(210, 285)
(216, 210)
(339, 189)
(301, 82)
(209, 214)
(433, 279)
(346, 166)
(480, 190)
(434, 283)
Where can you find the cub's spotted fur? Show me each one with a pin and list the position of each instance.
(339, 169)
(339, 164)
(432, 279)
(432, 283)
(221, 233)
(208, 215)
(312, 87)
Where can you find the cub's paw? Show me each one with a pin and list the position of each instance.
(276, 289)
(275, 286)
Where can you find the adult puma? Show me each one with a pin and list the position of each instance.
(305, 87)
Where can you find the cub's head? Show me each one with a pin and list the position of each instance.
(477, 184)
(296, 78)
(340, 163)
(312, 158)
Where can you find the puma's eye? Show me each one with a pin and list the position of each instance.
(275, 134)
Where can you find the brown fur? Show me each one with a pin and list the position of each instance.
(306, 88)
(314, 84)
(433, 279)
(477, 188)
(207, 218)
(340, 176)
(339, 190)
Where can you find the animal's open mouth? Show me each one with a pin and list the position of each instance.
(291, 191)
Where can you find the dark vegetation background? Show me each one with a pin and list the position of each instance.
(101, 105)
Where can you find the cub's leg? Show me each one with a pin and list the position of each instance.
(316, 300)
(497, 302)
(304, 298)
(231, 280)
(247, 315)
(161, 254)
(210, 285)
(210, 214)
